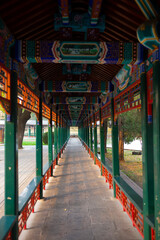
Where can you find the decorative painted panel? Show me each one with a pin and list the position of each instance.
(45, 111)
(125, 77)
(53, 116)
(4, 83)
(28, 75)
(76, 100)
(5, 89)
(106, 111)
(26, 98)
(80, 22)
(79, 52)
(128, 99)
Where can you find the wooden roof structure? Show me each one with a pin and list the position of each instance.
(34, 20)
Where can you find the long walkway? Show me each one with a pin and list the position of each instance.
(78, 205)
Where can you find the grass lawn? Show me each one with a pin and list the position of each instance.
(25, 143)
(132, 166)
(32, 143)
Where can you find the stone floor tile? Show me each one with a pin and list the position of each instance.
(78, 204)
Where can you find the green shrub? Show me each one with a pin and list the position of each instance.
(45, 138)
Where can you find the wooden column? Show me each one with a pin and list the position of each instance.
(102, 147)
(50, 147)
(95, 139)
(115, 153)
(39, 146)
(147, 157)
(11, 158)
(156, 140)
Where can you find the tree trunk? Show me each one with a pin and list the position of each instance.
(121, 140)
(105, 133)
(23, 117)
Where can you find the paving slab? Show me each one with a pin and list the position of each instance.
(78, 204)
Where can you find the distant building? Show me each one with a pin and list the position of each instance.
(30, 129)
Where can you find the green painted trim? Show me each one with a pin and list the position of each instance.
(115, 145)
(11, 158)
(95, 143)
(39, 147)
(102, 147)
(147, 160)
(156, 149)
(50, 146)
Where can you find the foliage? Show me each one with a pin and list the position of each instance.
(131, 125)
(45, 138)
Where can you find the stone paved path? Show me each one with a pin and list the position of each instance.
(78, 205)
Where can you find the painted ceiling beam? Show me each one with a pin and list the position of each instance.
(79, 22)
(148, 9)
(74, 86)
(75, 100)
(78, 52)
(94, 10)
(64, 10)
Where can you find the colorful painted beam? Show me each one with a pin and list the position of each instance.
(94, 10)
(64, 10)
(125, 77)
(74, 86)
(75, 100)
(78, 52)
(80, 22)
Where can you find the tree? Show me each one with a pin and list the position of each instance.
(22, 118)
(129, 124)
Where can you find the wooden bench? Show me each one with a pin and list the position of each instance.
(6, 224)
(130, 193)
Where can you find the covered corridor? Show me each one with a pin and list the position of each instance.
(81, 63)
(78, 204)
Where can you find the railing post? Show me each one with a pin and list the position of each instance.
(102, 146)
(59, 136)
(156, 149)
(91, 145)
(115, 153)
(147, 157)
(11, 158)
(50, 147)
(95, 138)
(88, 142)
(55, 138)
(39, 147)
